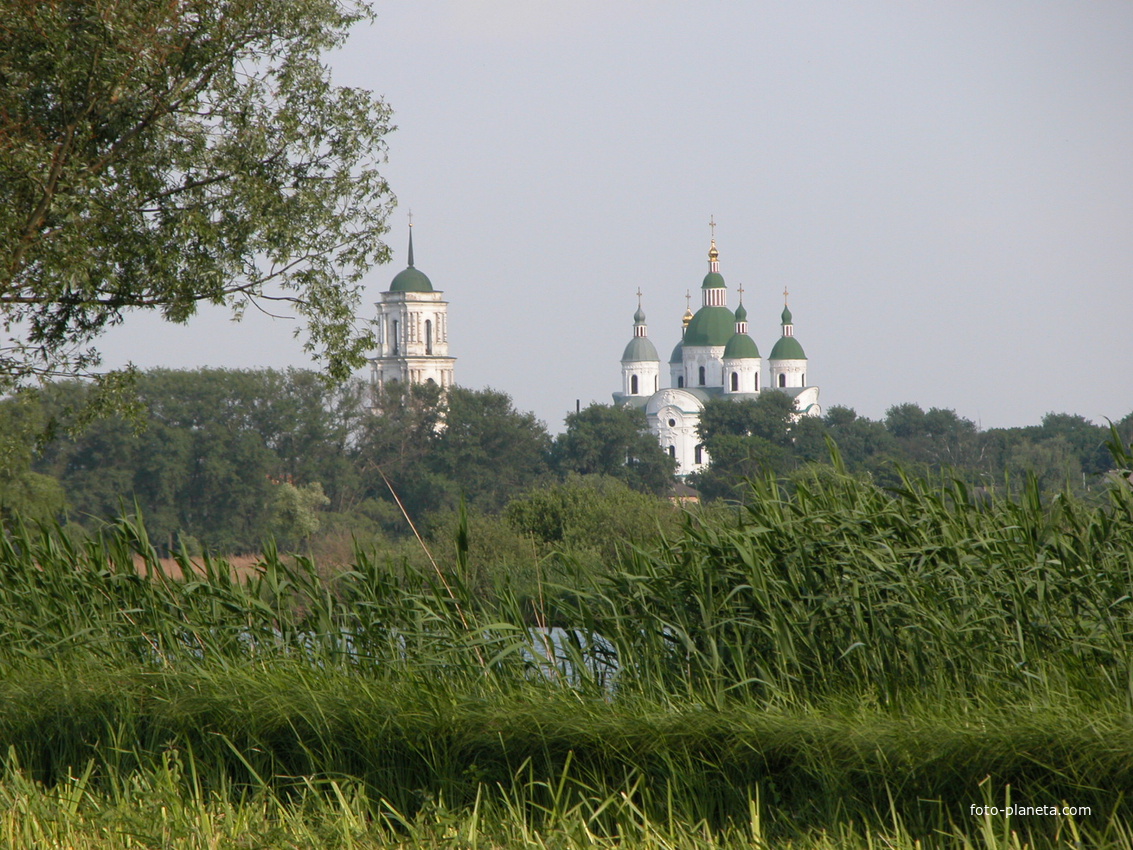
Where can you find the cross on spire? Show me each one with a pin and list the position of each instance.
(785, 294)
(740, 290)
(639, 296)
(712, 224)
(411, 218)
(688, 300)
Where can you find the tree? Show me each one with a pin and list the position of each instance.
(209, 454)
(745, 439)
(939, 437)
(155, 155)
(487, 449)
(294, 516)
(1085, 439)
(614, 441)
(24, 493)
(859, 439)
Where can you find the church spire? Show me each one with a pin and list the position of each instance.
(639, 328)
(411, 237)
(741, 313)
(713, 251)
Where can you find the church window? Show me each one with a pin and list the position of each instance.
(633, 385)
(735, 382)
(428, 337)
(782, 379)
(672, 423)
(656, 383)
(701, 376)
(700, 454)
(757, 383)
(680, 381)
(672, 451)
(804, 379)
(396, 338)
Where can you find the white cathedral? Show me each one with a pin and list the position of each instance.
(714, 359)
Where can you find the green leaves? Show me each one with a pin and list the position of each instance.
(155, 155)
(614, 441)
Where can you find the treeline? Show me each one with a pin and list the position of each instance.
(225, 460)
(753, 439)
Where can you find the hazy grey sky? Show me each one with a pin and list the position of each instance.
(946, 188)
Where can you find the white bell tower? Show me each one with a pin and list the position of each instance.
(412, 331)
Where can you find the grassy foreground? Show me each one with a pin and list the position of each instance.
(836, 666)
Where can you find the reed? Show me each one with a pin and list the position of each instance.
(866, 664)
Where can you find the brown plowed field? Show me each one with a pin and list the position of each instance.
(243, 566)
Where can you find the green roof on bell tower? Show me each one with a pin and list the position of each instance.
(410, 279)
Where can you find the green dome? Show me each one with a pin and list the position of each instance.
(786, 315)
(787, 348)
(714, 280)
(678, 355)
(411, 280)
(741, 313)
(640, 348)
(639, 316)
(741, 346)
(711, 326)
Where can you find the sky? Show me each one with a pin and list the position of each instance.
(945, 188)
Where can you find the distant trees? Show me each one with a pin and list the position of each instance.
(759, 437)
(228, 457)
(223, 459)
(613, 441)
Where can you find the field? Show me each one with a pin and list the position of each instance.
(834, 666)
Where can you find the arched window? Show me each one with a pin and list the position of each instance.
(396, 338)
(633, 385)
(680, 381)
(700, 454)
(672, 451)
(804, 379)
(782, 379)
(735, 382)
(701, 374)
(428, 337)
(757, 382)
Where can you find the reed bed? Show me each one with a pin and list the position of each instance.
(833, 665)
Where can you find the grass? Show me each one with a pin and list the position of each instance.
(833, 666)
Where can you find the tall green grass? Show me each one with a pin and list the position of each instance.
(844, 588)
(864, 662)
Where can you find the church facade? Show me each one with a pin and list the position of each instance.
(716, 358)
(412, 332)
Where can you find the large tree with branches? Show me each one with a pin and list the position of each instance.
(157, 154)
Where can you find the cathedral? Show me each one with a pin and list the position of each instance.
(716, 358)
(412, 331)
